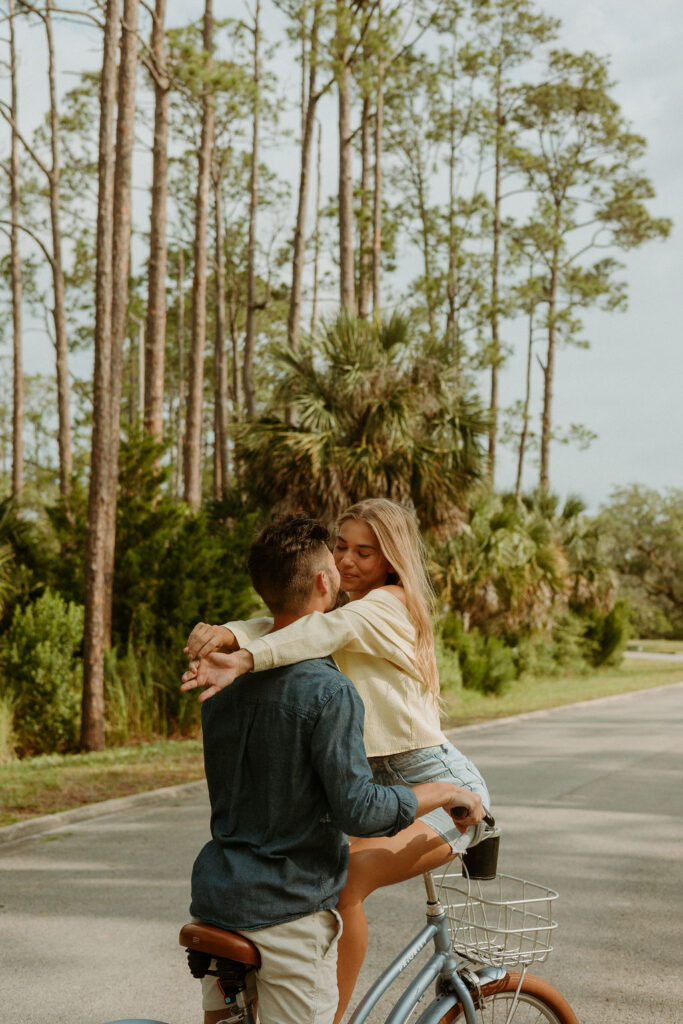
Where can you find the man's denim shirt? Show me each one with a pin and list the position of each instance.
(288, 779)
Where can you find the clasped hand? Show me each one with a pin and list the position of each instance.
(214, 672)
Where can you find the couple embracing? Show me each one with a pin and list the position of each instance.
(329, 730)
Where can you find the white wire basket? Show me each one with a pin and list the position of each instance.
(501, 922)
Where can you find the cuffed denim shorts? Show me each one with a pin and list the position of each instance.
(444, 763)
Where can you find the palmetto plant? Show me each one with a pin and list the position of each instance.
(375, 416)
(505, 570)
(514, 567)
(12, 529)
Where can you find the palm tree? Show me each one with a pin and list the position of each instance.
(375, 416)
(505, 569)
(12, 530)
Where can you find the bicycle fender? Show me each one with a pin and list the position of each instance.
(415, 990)
(438, 1008)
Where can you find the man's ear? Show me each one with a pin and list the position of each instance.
(322, 583)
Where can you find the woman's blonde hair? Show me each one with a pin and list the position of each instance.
(399, 539)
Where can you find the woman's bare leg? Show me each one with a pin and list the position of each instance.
(372, 864)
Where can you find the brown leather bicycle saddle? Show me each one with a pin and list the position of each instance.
(219, 943)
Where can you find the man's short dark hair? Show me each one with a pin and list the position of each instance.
(284, 559)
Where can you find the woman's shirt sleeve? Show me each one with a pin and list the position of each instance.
(377, 626)
(249, 629)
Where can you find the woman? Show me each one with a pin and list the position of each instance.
(382, 640)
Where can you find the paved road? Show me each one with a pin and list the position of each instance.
(591, 801)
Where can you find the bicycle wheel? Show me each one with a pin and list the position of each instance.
(538, 1003)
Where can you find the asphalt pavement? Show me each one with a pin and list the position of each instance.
(590, 801)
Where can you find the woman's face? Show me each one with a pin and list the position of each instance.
(357, 555)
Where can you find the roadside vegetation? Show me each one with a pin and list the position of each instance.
(57, 782)
(530, 593)
(227, 385)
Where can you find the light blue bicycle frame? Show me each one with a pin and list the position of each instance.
(442, 964)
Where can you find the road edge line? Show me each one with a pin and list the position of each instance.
(542, 712)
(55, 822)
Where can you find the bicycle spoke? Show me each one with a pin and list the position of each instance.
(502, 1009)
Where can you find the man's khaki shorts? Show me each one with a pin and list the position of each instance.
(297, 980)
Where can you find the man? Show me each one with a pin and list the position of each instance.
(288, 780)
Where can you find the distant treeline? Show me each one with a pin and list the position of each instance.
(473, 158)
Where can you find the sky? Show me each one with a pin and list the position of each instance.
(628, 386)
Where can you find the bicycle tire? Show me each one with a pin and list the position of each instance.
(538, 1003)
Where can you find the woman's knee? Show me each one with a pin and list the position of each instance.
(362, 875)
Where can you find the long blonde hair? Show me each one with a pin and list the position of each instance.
(400, 542)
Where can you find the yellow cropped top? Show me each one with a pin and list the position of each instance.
(372, 640)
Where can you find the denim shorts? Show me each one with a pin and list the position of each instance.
(444, 763)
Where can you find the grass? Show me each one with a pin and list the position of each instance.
(464, 707)
(58, 782)
(656, 646)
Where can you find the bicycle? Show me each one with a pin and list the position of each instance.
(480, 927)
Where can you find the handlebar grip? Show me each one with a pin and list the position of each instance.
(461, 812)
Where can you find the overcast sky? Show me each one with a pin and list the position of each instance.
(628, 387)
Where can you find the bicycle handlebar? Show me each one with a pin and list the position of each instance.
(461, 812)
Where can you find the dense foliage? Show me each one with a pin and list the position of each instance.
(41, 674)
(273, 348)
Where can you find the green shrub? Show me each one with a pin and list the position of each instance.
(173, 569)
(141, 699)
(42, 674)
(7, 738)
(562, 651)
(569, 649)
(486, 663)
(606, 635)
(535, 656)
(448, 664)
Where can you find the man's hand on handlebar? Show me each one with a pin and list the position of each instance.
(205, 639)
(465, 807)
(216, 671)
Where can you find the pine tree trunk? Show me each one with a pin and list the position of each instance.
(316, 234)
(346, 258)
(123, 167)
(419, 174)
(92, 722)
(59, 311)
(548, 374)
(155, 340)
(236, 376)
(451, 278)
(221, 475)
(180, 344)
(193, 429)
(249, 339)
(377, 196)
(495, 296)
(16, 283)
(364, 240)
(139, 413)
(310, 100)
(524, 433)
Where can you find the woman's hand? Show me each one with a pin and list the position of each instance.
(216, 672)
(205, 639)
